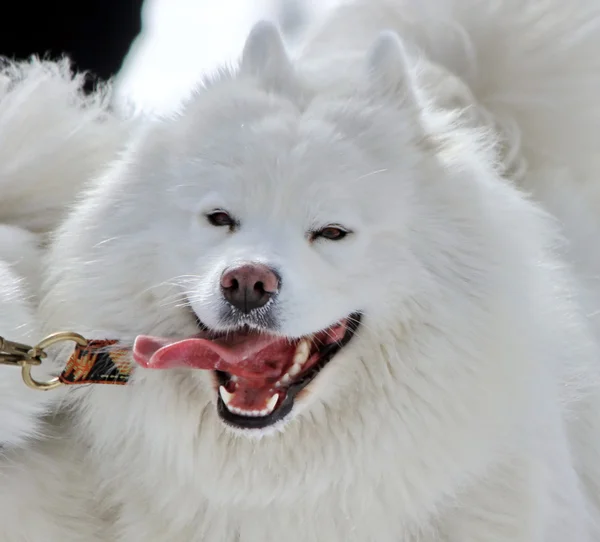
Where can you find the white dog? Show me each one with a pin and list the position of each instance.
(351, 321)
(52, 138)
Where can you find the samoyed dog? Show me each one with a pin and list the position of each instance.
(52, 138)
(359, 287)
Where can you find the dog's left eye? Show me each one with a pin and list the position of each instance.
(220, 218)
(331, 233)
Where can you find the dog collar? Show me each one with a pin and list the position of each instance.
(97, 362)
(91, 362)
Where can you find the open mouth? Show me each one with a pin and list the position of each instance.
(259, 375)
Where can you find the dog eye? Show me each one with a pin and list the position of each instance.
(331, 233)
(220, 219)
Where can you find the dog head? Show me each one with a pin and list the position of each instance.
(279, 237)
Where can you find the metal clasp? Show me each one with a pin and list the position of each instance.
(24, 356)
(17, 354)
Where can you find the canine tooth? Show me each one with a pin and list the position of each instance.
(271, 404)
(234, 378)
(286, 379)
(226, 396)
(295, 369)
(302, 352)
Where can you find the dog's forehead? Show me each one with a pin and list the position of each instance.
(262, 154)
(289, 180)
(277, 149)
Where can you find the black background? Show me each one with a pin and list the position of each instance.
(95, 34)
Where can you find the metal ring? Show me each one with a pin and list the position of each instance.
(39, 351)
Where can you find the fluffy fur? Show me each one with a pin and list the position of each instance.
(52, 139)
(467, 406)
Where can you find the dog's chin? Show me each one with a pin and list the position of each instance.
(259, 404)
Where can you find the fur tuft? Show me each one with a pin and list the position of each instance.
(53, 139)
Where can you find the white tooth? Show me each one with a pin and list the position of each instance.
(295, 369)
(234, 378)
(226, 396)
(302, 352)
(271, 404)
(286, 379)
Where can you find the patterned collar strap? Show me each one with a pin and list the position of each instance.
(98, 363)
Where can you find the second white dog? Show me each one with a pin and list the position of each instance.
(53, 139)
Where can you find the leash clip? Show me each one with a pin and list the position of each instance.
(25, 356)
(19, 354)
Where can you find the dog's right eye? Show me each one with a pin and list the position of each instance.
(220, 218)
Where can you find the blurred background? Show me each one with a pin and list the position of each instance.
(155, 49)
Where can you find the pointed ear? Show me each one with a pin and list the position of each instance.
(389, 71)
(265, 57)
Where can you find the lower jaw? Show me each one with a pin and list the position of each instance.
(239, 421)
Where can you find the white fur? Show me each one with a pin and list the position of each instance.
(19, 262)
(467, 407)
(52, 140)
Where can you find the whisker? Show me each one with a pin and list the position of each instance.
(370, 174)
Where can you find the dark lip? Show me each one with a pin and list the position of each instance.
(287, 404)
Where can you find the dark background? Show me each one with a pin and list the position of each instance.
(95, 34)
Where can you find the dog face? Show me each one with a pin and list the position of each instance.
(283, 222)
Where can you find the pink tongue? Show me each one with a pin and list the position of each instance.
(252, 357)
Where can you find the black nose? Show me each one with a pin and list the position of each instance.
(249, 286)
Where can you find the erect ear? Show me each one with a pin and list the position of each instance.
(389, 71)
(264, 56)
